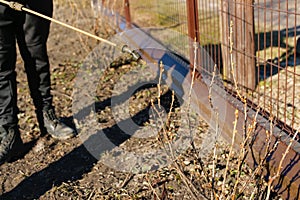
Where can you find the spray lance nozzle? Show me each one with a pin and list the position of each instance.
(136, 56)
(127, 57)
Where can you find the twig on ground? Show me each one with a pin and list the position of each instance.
(152, 189)
(126, 180)
(91, 194)
(191, 188)
(61, 94)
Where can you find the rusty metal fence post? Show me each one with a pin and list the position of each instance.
(127, 14)
(238, 16)
(193, 26)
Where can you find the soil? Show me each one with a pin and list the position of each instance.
(52, 169)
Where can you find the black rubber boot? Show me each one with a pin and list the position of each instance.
(55, 127)
(9, 137)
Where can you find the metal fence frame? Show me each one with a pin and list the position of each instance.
(250, 48)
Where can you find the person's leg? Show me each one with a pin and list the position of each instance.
(32, 41)
(8, 90)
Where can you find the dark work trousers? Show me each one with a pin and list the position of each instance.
(31, 33)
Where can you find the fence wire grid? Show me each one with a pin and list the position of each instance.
(265, 42)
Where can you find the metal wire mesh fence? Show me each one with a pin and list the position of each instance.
(278, 61)
(262, 54)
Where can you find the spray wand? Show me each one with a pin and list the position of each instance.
(20, 7)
